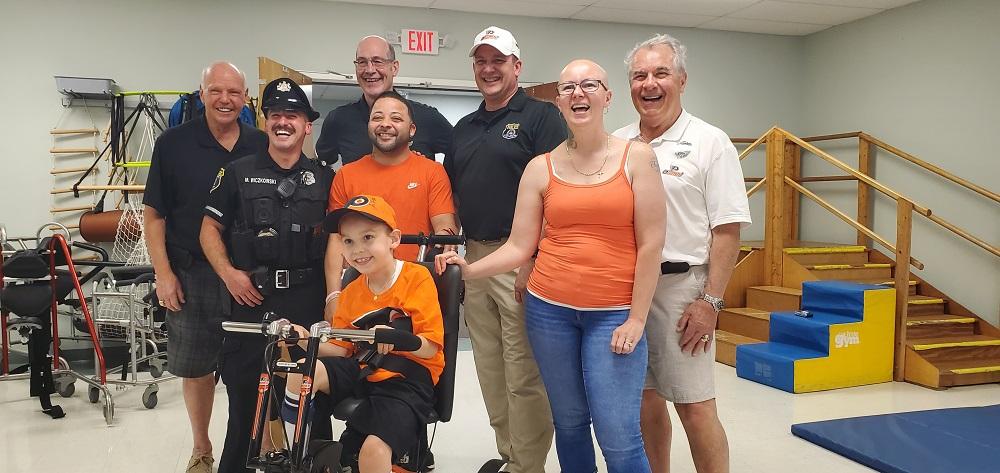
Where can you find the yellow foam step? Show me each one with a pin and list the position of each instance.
(820, 250)
(961, 320)
(980, 369)
(821, 267)
(971, 343)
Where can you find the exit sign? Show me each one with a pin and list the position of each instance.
(419, 42)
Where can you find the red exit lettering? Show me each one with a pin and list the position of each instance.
(420, 42)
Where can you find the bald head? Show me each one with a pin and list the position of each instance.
(585, 68)
(378, 45)
(223, 91)
(221, 68)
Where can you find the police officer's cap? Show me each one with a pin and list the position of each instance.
(285, 94)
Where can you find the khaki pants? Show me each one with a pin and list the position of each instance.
(508, 376)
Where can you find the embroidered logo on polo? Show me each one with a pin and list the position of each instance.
(260, 180)
(308, 178)
(510, 131)
(682, 154)
(673, 171)
(218, 180)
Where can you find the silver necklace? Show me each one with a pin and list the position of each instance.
(600, 171)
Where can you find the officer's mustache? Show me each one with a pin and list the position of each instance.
(283, 128)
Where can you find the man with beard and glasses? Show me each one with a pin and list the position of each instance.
(185, 160)
(262, 233)
(345, 131)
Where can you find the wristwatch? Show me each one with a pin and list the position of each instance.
(716, 302)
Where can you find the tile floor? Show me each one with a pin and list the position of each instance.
(757, 419)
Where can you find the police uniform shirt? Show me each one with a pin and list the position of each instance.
(703, 178)
(489, 153)
(250, 178)
(345, 132)
(185, 160)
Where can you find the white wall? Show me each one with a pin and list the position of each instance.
(923, 78)
(147, 44)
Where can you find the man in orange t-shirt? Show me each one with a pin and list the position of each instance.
(417, 188)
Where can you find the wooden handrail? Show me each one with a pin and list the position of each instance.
(930, 167)
(741, 140)
(850, 221)
(746, 151)
(827, 178)
(113, 187)
(756, 187)
(836, 136)
(861, 177)
(752, 179)
(962, 233)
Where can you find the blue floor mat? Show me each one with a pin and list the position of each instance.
(965, 440)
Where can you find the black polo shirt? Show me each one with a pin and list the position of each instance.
(489, 153)
(345, 132)
(185, 161)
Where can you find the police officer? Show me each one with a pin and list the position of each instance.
(262, 234)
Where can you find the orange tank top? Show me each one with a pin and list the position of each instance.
(586, 259)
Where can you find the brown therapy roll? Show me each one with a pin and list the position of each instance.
(98, 227)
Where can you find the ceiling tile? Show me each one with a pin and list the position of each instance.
(695, 7)
(617, 15)
(882, 4)
(509, 7)
(762, 26)
(802, 13)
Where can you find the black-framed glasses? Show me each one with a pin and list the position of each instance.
(376, 62)
(588, 86)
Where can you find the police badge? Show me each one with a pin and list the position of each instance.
(308, 178)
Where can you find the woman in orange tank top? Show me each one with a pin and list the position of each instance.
(602, 205)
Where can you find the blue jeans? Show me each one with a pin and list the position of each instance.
(585, 380)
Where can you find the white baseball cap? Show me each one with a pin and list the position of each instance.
(498, 38)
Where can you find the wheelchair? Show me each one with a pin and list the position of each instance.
(307, 455)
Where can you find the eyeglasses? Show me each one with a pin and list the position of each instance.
(588, 86)
(376, 62)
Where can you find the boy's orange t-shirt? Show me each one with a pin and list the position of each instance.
(417, 189)
(415, 293)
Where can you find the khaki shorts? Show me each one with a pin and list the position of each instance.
(678, 377)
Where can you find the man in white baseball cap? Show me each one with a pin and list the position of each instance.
(498, 38)
(491, 148)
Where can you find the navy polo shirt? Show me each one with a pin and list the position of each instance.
(489, 153)
(345, 132)
(185, 161)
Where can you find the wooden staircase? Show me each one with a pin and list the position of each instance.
(945, 344)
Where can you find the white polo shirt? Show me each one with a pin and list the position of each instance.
(704, 182)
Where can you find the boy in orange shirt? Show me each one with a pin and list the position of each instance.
(400, 393)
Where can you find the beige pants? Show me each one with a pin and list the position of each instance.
(508, 376)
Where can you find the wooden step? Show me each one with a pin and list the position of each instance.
(939, 325)
(924, 305)
(888, 282)
(854, 255)
(745, 321)
(956, 348)
(967, 372)
(774, 298)
(73, 150)
(851, 271)
(74, 131)
(725, 346)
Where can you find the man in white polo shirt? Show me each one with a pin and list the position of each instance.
(706, 206)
